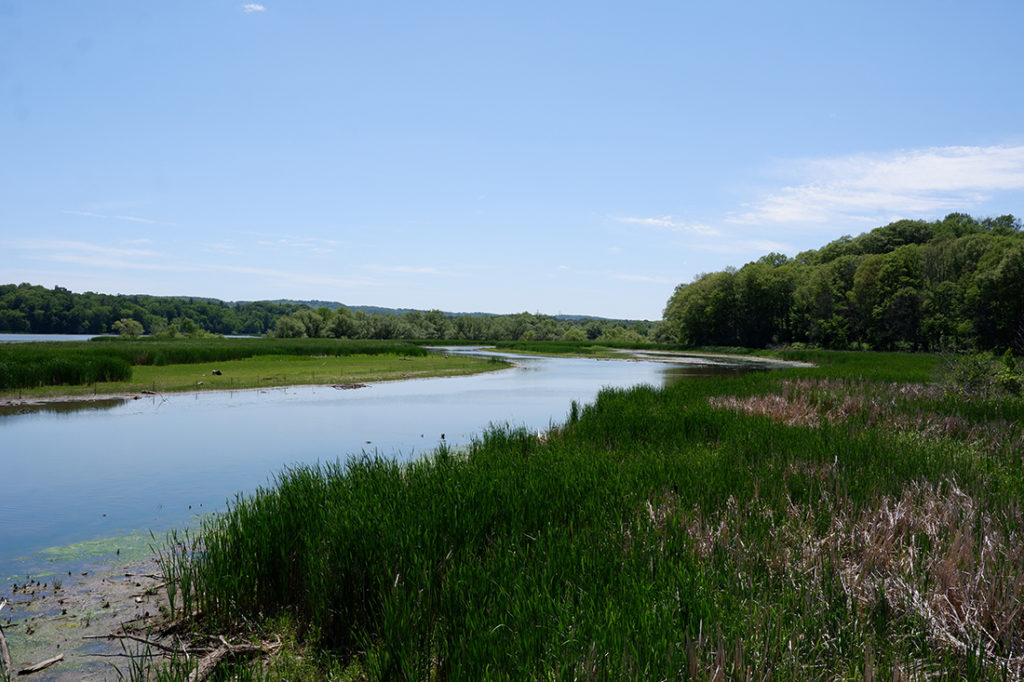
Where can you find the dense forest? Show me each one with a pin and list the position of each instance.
(911, 285)
(345, 323)
(38, 310)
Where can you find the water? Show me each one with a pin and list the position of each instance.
(22, 338)
(74, 472)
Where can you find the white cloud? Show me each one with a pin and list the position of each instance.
(671, 224)
(224, 249)
(62, 246)
(647, 279)
(252, 7)
(407, 269)
(745, 247)
(98, 256)
(903, 184)
(302, 278)
(128, 218)
(311, 244)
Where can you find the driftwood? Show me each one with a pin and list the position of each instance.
(209, 663)
(41, 665)
(4, 651)
(136, 638)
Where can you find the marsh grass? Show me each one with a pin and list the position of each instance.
(280, 370)
(31, 365)
(793, 525)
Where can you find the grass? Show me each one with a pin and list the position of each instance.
(282, 363)
(31, 365)
(849, 521)
(276, 370)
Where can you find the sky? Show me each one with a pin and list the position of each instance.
(551, 157)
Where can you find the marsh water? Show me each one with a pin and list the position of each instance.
(86, 472)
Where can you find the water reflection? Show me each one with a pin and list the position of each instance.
(35, 338)
(62, 406)
(76, 472)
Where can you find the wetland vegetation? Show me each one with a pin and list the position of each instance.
(857, 520)
(113, 366)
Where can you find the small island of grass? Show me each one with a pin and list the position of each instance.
(60, 370)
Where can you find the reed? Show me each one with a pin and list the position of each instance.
(802, 524)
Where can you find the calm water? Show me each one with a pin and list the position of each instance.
(72, 474)
(22, 338)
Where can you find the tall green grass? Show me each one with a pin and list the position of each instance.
(656, 535)
(29, 365)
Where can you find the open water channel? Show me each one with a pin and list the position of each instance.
(81, 474)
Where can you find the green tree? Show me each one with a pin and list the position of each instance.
(128, 327)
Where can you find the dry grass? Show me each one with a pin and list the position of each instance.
(930, 556)
(906, 408)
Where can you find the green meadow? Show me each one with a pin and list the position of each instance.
(857, 520)
(115, 366)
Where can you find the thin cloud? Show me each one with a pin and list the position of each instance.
(672, 225)
(252, 7)
(100, 261)
(407, 269)
(745, 247)
(301, 278)
(646, 279)
(98, 256)
(311, 244)
(127, 218)
(74, 247)
(905, 184)
(222, 249)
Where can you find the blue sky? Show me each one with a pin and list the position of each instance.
(553, 157)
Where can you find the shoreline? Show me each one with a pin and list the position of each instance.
(80, 617)
(695, 358)
(9, 401)
(38, 401)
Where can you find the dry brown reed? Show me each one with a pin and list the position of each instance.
(930, 555)
(903, 407)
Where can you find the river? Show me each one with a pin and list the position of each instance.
(86, 472)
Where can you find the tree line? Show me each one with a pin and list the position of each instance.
(434, 324)
(910, 285)
(36, 309)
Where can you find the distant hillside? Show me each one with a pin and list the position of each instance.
(378, 310)
(35, 309)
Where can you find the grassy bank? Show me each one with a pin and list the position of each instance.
(266, 371)
(31, 365)
(852, 521)
(220, 364)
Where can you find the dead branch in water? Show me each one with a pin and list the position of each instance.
(41, 665)
(210, 662)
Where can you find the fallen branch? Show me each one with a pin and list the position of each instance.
(209, 663)
(4, 651)
(147, 642)
(41, 665)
